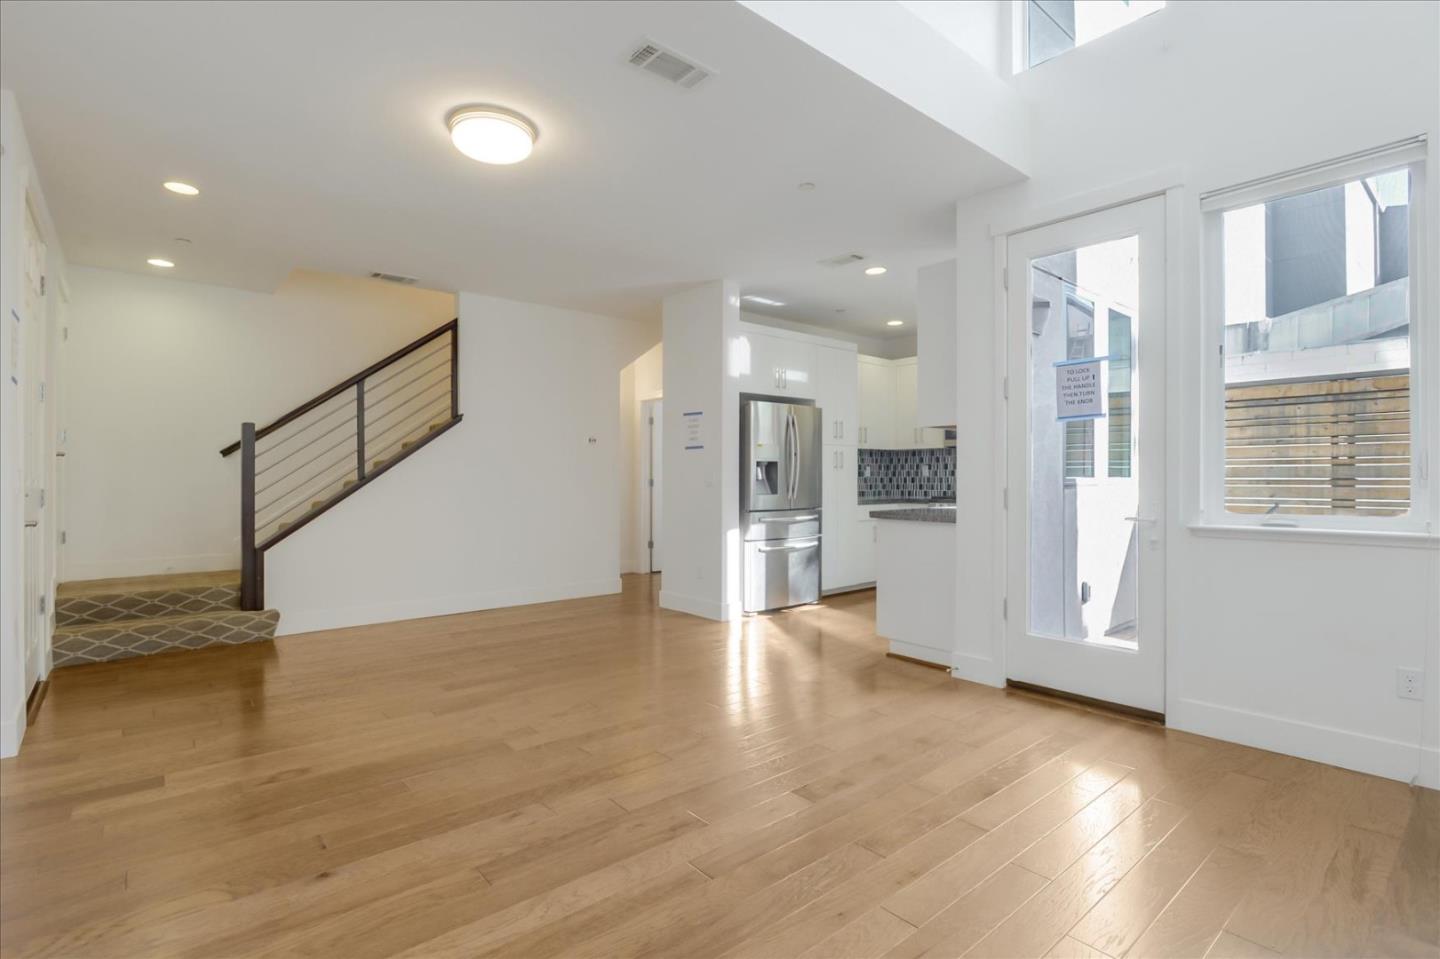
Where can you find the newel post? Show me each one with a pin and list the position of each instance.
(250, 597)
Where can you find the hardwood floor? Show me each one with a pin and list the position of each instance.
(599, 778)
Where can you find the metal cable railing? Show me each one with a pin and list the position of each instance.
(306, 461)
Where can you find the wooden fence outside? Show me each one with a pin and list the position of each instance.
(1319, 446)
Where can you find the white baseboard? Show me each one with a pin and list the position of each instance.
(1378, 756)
(293, 621)
(926, 654)
(12, 730)
(152, 566)
(695, 606)
(977, 669)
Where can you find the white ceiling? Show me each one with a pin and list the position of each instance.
(315, 132)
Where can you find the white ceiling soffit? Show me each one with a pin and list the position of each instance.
(915, 63)
(315, 132)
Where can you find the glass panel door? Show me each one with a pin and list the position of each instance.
(1083, 484)
(1086, 316)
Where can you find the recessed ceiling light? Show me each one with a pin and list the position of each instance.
(762, 300)
(894, 322)
(161, 262)
(874, 270)
(806, 187)
(184, 189)
(491, 134)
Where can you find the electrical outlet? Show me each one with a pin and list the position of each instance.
(1410, 683)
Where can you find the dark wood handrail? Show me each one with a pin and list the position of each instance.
(349, 383)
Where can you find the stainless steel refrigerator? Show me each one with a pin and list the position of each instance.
(780, 504)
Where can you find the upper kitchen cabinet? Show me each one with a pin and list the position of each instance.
(837, 394)
(778, 365)
(935, 300)
(909, 434)
(877, 403)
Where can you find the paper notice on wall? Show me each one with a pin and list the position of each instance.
(1079, 390)
(694, 430)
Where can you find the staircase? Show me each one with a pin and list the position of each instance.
(308, 461)
(292, 471)
(107, 619)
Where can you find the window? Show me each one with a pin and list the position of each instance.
(1079, 343)
(1121, 432)
(1054, 26)
(1315, 304)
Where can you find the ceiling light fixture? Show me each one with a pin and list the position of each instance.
(184, 189)
(762, 300)
(874, 270)
(161, 262)
(894, 322)
(491, 134)
(805, 187)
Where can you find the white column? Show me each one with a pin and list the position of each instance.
(701, 451)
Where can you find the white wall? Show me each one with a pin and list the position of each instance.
(640, 381)
(916, 64)
(515, 505)
(164, 372)
(889, 347)
(19, 182)
(702, 486)
(975, 26)
(1285, 643)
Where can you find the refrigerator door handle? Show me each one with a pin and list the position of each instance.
(790, 547)
(792, 438)
(795, 433)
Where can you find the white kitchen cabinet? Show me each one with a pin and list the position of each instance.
(936, 329)
(915, 589)
(861, 547)
(778, 366)
(877, 403)
(798, 373)
(838, 497)
(837, 391)
(765, 356)
(909, 434)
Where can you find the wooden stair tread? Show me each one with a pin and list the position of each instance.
(405, 447)
(146, 584)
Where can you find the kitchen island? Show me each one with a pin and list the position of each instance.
(915, 591)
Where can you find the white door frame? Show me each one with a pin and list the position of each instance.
(652, 491)
(1130, 678)
(36, 473)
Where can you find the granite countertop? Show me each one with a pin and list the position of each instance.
(934, 513)
(907, 501)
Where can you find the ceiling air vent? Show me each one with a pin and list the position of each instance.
(653, 58)
(844, 259)
(395, 278)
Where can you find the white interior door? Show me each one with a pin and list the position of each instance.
(1086, 456)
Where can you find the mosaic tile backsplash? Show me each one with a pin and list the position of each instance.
(906, 474)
